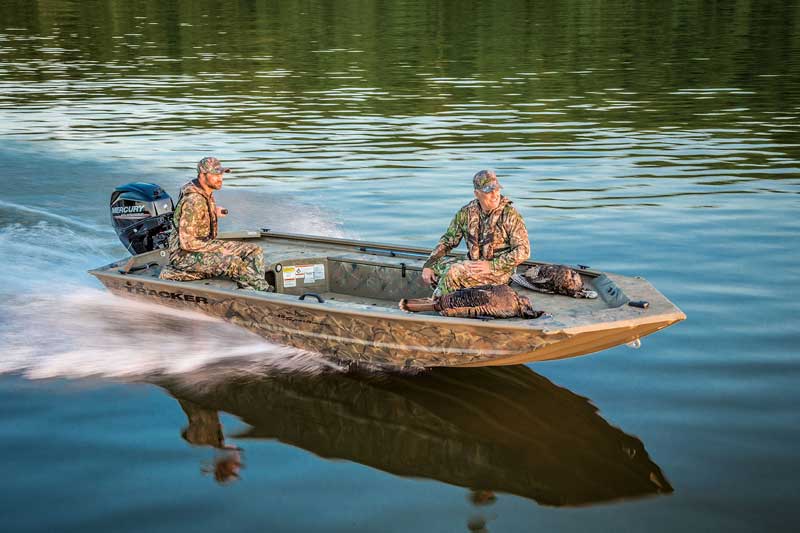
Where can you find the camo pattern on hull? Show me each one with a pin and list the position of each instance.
(374, 340)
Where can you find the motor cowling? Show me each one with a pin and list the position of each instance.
(141, 214)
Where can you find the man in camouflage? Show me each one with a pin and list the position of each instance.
(194, 250)
(497, 241)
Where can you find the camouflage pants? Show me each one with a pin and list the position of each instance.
(453, 275)
(240, 261)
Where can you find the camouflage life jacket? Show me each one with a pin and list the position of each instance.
(481, 228)
(192, 187)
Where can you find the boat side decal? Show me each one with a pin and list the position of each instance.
(168, 295)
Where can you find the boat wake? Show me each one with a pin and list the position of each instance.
(56, 321)
(38, 214)
(89, 333)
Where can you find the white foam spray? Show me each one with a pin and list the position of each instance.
(57, 322)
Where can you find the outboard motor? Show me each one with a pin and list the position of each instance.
(142, 216)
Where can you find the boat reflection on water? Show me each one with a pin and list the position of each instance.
(491, 429)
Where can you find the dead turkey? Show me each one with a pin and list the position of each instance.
(554, 279)
(495, 301)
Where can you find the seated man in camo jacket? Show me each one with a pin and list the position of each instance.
(194, 250)
(497, 241)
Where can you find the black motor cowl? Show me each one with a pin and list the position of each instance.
(142, 216)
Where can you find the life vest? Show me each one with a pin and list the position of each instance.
(194, 188)
(480, 243)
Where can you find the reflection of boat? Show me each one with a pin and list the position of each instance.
(339, 297)
(503, 429)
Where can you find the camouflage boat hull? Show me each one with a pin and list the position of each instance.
(360, 284)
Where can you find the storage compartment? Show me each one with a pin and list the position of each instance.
(298, 276)
(378, 280)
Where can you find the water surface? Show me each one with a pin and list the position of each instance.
(653, 139)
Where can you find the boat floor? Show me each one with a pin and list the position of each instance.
(557, 306)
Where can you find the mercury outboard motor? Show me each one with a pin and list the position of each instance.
(142, 216)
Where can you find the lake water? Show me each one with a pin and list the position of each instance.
(659, 139)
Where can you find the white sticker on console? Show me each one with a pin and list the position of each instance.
(307, 272)
(289, 277)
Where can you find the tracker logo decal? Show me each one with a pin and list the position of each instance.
(167, 295)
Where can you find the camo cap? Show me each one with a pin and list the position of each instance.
(486, 181)
(211, 165)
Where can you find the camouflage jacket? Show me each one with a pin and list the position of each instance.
(194, 222)
(499, 236)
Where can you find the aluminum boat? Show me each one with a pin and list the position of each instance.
(339, 297)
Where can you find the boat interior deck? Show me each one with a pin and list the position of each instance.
(366, 277)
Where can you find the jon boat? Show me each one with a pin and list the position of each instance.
(339, 297)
